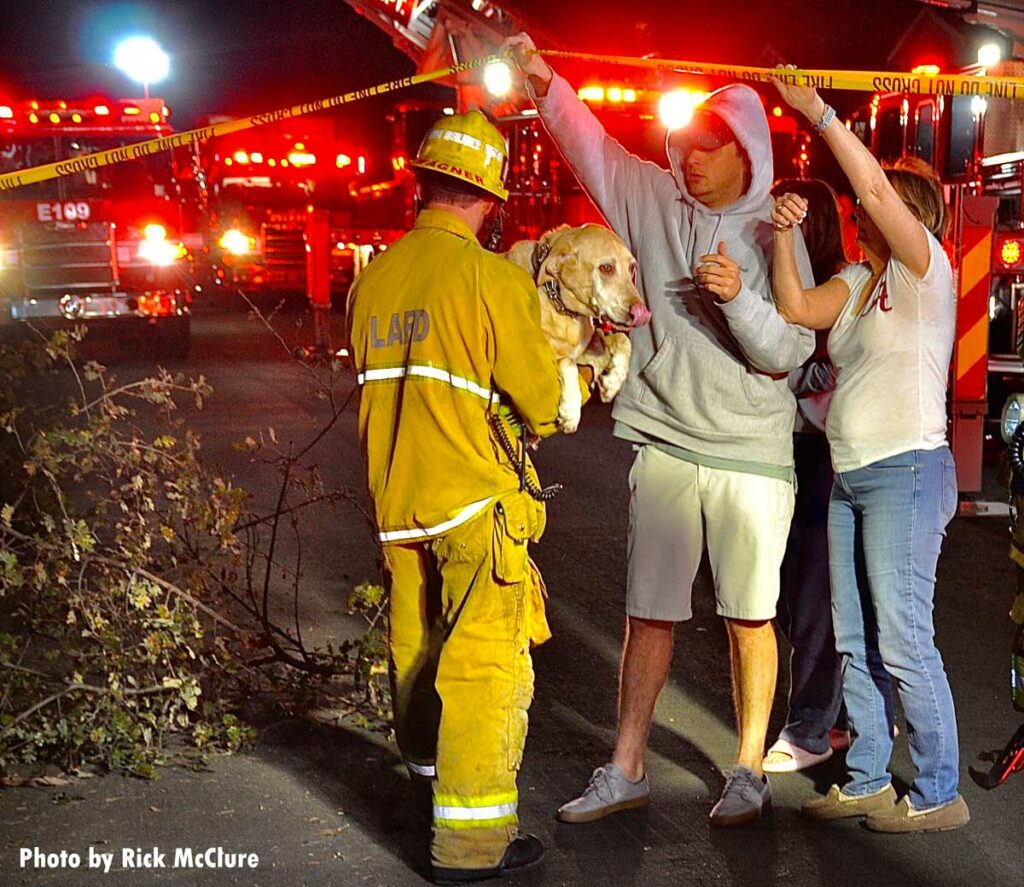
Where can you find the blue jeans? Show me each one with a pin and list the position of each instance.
(804, 613)
(886, 526)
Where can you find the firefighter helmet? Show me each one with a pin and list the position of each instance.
(467, 147)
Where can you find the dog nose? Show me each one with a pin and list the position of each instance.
(639, 314)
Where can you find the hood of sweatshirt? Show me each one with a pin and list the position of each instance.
(740, 108)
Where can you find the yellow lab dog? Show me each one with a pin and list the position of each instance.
(588, 302)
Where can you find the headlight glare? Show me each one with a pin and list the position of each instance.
(1013, 410)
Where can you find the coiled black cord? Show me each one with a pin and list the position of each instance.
(518, 457)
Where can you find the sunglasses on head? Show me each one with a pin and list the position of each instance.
(708, 132)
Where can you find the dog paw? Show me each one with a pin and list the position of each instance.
(568, 418)
(609, 383)
(569, 424)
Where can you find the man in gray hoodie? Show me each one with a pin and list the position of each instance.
(707, 405)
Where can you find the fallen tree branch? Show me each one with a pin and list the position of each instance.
(74, 688)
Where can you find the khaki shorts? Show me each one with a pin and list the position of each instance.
(746, 517)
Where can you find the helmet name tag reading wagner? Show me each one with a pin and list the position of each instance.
(466, 147)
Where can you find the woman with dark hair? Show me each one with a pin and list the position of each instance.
(892, 327)
(822, 228)
(804, 615)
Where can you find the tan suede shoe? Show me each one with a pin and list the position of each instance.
(836, 805)
(903, 818)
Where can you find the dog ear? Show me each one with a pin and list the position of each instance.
(560, 247)
(564, 264)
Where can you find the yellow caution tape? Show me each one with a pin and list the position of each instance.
(137, 150)
(868, 81)
(865, 81)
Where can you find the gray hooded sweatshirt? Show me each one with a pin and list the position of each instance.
(704, 376)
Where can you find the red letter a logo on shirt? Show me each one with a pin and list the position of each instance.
(883, 298)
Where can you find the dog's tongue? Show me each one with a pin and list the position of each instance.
(640, 314)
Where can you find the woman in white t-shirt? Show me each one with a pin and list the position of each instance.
(892, 328)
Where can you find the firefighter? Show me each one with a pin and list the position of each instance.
(440, 330)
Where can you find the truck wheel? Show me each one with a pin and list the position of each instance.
(173, 338)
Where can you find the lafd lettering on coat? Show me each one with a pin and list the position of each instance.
(399, 329)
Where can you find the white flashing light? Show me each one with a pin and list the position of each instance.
(156, 249)
(989, 54)
(256, 157)
(6, 112)
(236, 242)
(301, 158)
(675, 108)
(342, 160)
(161, 252)
(142, 60)
(978, 106)
(498, 79)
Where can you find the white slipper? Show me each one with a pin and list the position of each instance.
(796, 758)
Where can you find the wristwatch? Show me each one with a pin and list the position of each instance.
(827, 116)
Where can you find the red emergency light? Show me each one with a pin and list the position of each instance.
(1008, 252)
(60, 115)
(613, 94)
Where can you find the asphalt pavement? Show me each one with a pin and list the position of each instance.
(329, 804)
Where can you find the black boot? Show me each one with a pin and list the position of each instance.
(523, 853)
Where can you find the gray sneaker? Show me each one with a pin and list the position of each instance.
(609, 792)
(745, 797)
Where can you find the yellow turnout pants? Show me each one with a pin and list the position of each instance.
(464, 609)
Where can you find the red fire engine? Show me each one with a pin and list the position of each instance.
(255, 190)
(976, 147)
(102, 246)
(543, 192)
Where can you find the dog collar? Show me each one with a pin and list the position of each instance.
(540, 252)
(550, 286)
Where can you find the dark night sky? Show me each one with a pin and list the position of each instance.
(252, 55)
